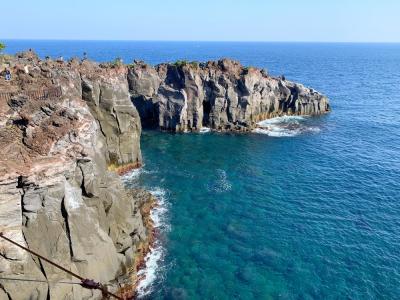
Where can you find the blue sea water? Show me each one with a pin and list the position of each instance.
(313, 213)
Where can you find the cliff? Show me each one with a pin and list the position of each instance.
(66, 129)
(221, 95)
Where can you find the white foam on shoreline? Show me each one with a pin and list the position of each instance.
(282, 119)
(134, 174)
(204, 130)
(154, 258)
(149, 272)
(285, 126)
(131, 175)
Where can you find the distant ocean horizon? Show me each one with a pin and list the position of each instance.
(308, 209)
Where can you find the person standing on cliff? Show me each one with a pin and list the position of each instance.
(8, 75)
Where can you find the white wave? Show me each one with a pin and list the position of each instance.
(132, 175)
(154, 257)
(158, 214)
(276, 132)
(149, 273)
(152, 260)
(285, 126)
(282, 119)
(204, 129)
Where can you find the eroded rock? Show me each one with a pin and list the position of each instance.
(222, 95)
(58, 194)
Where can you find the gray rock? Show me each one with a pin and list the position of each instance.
(109, 101)
(57, 195)
(221, 95)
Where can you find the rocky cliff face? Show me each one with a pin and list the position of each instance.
(64, 127)
(221, 95)
(68, 128)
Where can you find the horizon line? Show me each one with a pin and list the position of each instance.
(200, 41)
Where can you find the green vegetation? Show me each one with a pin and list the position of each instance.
(195, 64)
(181, 63)
(117, 62)
(2, 47)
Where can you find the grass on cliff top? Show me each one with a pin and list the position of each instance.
(181, 63)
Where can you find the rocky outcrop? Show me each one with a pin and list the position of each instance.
(58, 194)
(67, 129)
(221, 95)
(107, 96)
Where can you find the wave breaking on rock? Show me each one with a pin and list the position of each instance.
(285, 126)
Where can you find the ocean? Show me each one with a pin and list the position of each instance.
(307, 209)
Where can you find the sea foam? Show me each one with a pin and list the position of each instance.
(285, 126)
(154, 258)
(132, 175)
(204, 130)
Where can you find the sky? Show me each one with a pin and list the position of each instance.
(203, 20)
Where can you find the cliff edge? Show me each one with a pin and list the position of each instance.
(66, 130)
(221, 95)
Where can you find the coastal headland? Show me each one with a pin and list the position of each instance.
(68, 129)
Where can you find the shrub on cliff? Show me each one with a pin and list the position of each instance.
(181, 63)
(2, 47)
(117, 62)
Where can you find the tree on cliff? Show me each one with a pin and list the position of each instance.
(2, 46)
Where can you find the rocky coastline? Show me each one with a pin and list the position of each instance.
(60, 193)
(68, 129)
(220, 95)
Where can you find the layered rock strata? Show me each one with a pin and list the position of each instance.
(58, 194)
(222, 95)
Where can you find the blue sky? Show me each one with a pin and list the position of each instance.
(205, 20)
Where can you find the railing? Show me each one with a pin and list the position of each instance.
(85, 283)
(40, 94)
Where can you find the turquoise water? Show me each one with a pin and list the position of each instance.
(313, 214)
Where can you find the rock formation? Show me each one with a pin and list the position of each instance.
(67, 129)
(63, 128)
(221, 95)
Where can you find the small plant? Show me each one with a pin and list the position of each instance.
(117, 62)
(2, 47)
(195, 64)
(180, 63)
